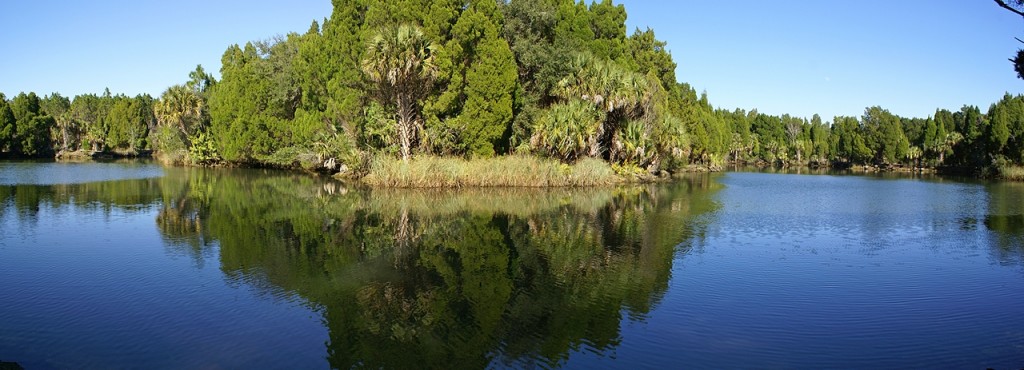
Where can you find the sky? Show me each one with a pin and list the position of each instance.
(795, 57)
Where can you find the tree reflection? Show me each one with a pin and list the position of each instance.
(442, 278)
(26, 201)
(413, 279)
(1006, 218)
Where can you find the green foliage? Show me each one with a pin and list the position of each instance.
(256, 99)
(128, 120)
(34, 135)
(181, 108)
(477, 73)
(636, 146)
(87, 128)
(849, 144)
(8, 126)
(567, 131)
(429, 279)
(58, 107)
(490, 84)
(478, 78)
(378, 133)
(651, 56)
(31, 129)
(202, 150)
(506, 70)
(884, 134)
(400, 62)
(169, 145)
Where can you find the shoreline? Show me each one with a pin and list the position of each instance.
(525, 171)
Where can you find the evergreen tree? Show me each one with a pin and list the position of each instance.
(885, 136)
(8, 126)
(490, 78)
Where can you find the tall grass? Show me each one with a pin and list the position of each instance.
(1013, 173)
(505, 171)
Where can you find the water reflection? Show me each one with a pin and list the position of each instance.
(1006, 219)
(514, 277)
(27, 201)
(445, 278)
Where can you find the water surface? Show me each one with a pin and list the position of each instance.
(184, 268)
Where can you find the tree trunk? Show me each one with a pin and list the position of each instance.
(406, 119)
(64, 137)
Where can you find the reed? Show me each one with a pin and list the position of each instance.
(504, 171)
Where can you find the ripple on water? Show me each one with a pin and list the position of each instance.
(872, 273)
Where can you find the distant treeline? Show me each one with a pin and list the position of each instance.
(967, 138)
(479, 78)
(31, 126)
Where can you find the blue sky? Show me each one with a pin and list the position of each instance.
(785, 56)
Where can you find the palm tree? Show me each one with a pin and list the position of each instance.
(947, 144)
(635, 144)
(913, 155)
(620, 95)
(400, 62)
(567, 130)
(182, 108)
(69, 130)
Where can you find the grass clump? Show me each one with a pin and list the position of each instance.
(1011, 172)
(505, 171)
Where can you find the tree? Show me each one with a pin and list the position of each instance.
(180, 108)
(914, 155)
(88, 127)
(128, 120)
(848, 143)
(567, 131)
(884, 135)
(253, 108)
(819, 138)
(1017, 7)
(489, 75)
(400, 63)
(619, 94)
(529, 28)
(794, 128)
(770, 130)
(32, 129)
(59, 108)
(949, 141)
(8, 125)
(972, 150)
(328, 65)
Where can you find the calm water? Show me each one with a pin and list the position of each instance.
(134, 265)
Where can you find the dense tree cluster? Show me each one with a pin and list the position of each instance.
(467, 78)
(479, 78)
(406, 77)
(967, 138)
(32, 126)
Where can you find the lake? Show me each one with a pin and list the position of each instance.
(129, 264)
